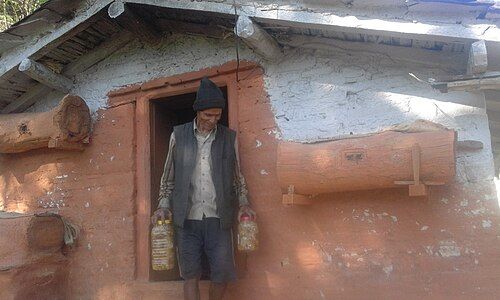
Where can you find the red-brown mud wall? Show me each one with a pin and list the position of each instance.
(369, 244)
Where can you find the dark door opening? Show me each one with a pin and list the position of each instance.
(165, 114)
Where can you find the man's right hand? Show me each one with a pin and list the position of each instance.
(161, 214)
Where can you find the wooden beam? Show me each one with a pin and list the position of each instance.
(99, 53)
(486, 81)
(478, 84)
(257, 39)
(46, 76)
(469, 145)
(453, 60)
(130, 21)
(12, 59)
(448, 78)
(27, 99)
(478, 58)
(8, 41)
(87, 60)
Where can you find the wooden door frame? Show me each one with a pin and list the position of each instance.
(142, 95)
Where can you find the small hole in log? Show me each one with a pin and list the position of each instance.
(23, 128)
(354, 156)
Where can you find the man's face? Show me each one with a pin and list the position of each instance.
(208, 118)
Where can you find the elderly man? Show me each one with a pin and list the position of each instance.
(201, 188)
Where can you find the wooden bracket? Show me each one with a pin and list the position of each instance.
(291, 198)
(416, 186)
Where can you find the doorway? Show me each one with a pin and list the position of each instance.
(165, 113)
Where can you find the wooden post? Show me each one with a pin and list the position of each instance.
(257, 38)
(417, 188)
(64, 127)
(46, 76)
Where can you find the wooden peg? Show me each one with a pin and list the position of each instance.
(291, 198)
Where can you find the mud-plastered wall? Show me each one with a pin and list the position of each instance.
(350, 245)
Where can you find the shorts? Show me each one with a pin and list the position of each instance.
(206, 236)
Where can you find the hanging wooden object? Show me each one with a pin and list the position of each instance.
(383, 160)
(65, 127)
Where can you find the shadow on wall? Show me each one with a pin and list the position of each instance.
(318, 97)
(31, 185)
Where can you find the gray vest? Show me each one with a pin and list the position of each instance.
(223, 165)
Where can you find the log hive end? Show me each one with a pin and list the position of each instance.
(72, 117)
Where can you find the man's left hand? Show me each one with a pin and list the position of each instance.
(246, 209)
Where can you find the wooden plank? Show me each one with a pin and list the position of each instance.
(45, 75)
(89, 37)
(28, 28)
(9, 37)
(99, 36)
(77, 46)
(191, 28)
(106, 27)
(85, 43)
(444, 79)
(431, 58)
(475, 84)
(71, 52)
(8, 41)
(417, 188)
(57, 56)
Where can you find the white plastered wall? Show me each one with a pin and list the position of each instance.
(315, 95)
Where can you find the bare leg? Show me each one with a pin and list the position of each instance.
(217, 290)
(191, 289)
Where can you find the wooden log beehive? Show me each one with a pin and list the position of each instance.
(384, 160)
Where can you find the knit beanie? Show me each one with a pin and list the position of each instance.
(208, 96)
